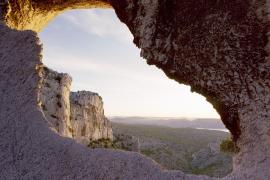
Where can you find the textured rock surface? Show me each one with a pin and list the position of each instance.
(77, 115)
(35, 14)
(219, 48)
(55, 102)
(87, 117)
(224, 46)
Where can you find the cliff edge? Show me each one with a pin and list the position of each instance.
(78, 115)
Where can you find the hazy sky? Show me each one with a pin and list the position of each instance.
(96, 49)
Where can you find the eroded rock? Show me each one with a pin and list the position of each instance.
(87, 117)
(78, 115)
(55, 101)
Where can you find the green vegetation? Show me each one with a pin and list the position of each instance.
(183, 149)
(228, 146)
(206, 170)
(107, 143)
(101, 143)
(193, 139)
(148, 152)
(174, 148)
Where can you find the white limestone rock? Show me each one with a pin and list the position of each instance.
(78, 115)
(87, 117)
(55, 101)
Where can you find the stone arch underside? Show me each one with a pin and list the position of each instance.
(220, 48)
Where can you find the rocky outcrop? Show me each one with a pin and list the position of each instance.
(55, 101)
(220, 48)
(87, 117)
(77, 115)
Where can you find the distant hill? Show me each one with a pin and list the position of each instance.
(172, 122)
(187, 149)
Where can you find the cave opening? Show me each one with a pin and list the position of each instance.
(96, 50)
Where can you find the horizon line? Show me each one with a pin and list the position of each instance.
(163, 117)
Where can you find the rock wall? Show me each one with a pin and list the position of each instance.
(54, 97)
(220, 48)
(78, 115)
(87, 117)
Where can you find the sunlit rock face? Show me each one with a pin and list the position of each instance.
(55, 101)
(87, 117)
(35, 14)
(220, 48)
(78, 115)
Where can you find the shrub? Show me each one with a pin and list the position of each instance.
(101, 143)
(228, 146)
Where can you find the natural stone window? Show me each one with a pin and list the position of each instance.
(223, 44)
(86, 131)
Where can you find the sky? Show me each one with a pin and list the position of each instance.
(96, 49)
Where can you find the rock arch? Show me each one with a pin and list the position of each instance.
(220, 48)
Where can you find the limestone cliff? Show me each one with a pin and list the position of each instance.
(55, 101)
(87, 117)
(78, 115)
